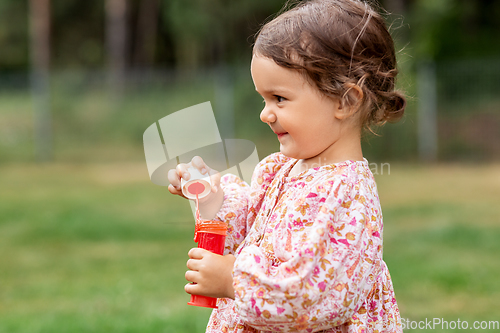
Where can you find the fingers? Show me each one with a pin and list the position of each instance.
(195, 264)
(182, 172)
(211, 275)
(199, 164)
(192, 276)
(198, 253)
(172, 189)
(193, 289)
(175, 183)
(174, 177)
(215, 179)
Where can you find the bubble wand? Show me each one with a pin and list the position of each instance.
(209, 234)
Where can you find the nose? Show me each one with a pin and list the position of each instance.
(267, 115)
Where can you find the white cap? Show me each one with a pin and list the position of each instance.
(196, 177)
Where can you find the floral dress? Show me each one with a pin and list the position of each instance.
(308, 251)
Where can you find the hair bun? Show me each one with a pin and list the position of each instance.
(392, 108)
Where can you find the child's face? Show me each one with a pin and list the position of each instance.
(306, 122)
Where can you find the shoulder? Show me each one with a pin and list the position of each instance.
(345, 181)
(356, 173)
(267, 169)
(356, 190)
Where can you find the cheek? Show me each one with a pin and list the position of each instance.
(323, 133)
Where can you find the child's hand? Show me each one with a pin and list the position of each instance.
(210, 274)
(210, 204)
(181, 171)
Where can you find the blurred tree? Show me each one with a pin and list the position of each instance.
(13, 35)
(396, 6)
(78, 34)
(116, 43)
(195, 33)
(451, 29)
(146, 33)
(397, 20)
(212, 31)
(40, 60)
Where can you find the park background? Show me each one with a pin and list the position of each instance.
(89, 244)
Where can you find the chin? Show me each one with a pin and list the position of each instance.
(289, 154)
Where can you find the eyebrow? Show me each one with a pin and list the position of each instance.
(274, 91)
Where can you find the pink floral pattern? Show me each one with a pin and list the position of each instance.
(308, 252)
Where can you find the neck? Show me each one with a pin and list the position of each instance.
(346, 148)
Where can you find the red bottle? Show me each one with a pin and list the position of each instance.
(211, 236)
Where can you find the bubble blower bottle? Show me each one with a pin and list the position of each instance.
(210, 235)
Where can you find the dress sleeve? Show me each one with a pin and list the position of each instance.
(234, 211)
(331, 268)
(242, 202)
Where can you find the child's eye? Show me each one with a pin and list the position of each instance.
(280, 98)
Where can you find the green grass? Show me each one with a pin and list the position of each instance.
(442, 226)
(92, 249)
(99, 248)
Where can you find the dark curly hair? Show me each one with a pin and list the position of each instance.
(338, 44)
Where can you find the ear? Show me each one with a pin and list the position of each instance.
(349, 102)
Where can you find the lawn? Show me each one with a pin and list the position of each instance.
(88, 247)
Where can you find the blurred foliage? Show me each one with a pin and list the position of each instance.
(454, 29)
(177, 66)
(189, 33)
(13, 35)
(77, 33)
(211, 31)
(199, 33)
